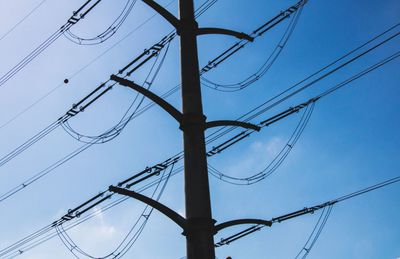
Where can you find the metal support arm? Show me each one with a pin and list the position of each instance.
(164, 13)
(241, 222)
(240, 35)
(155, 98)
(178, 219)
(220, 123)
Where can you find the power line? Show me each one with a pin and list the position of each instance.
(280, 156)
(77, 213)
(215, 150)
(74, 19)
(107, 33)
(129, 239)
(204, 7)
(224, 130)
(293, 11)
(22, 20)
(43, 172)
(77, 108)
(310, 210)
(296, 134)
(268, 122)
(92, 97)
(391, 59)
(316, 232)
(148, 82)
(108, 135)
(292, 91)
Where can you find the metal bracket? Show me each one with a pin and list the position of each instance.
(181, 221)
(164, 13)
(191, 119)
(201, 31)
(220, 123)
(240, 35)
(155, 98)
(241, 222)
(196, 224)
(178, 219)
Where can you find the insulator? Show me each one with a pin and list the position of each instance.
(73, 20)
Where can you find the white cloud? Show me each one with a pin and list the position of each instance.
(256, 158)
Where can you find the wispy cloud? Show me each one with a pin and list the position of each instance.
(256, 157)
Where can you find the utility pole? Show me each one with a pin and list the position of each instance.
(198, 225)
(199, 237)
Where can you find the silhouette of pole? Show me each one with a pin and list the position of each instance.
(200, 225)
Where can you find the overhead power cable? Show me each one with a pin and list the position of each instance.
(87, 207)
(144, 175)
(268, 122)
(81, 106)
(255, 112)
(312, 79)
(309, 210)
(217, 133)
(77, 108)
(130, 237)
(316, 232)
(294, 12)
(110, 134)
(106, 34)
(279, 157)
(74, 19)
(27, 182)
(92, 97)
(266, 105)
(113, 132)
(101, 197)
(211, 138)
(176, 88)
(23, 19)
(204, 7)
(85, 211)
(80, 70)
(37, 137)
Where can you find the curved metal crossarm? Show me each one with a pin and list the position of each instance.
(164, 13)
(239, 35)
(220, 123)
(174, 112)
(155, 98)
(178, 219)
(241, 222)
(200, 31)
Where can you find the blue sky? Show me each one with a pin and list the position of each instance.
(351, 141)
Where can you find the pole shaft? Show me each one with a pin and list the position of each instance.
(199, 237)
